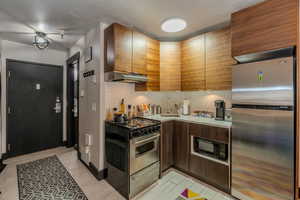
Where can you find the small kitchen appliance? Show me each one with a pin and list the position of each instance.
(186, 107)
(220, 110)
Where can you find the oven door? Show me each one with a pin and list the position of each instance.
(144, 151)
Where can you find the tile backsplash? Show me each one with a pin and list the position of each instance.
(200, 100)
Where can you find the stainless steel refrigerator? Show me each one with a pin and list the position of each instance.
(263, 131)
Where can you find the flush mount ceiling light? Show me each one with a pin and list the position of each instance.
(173, 25)
(40, 40)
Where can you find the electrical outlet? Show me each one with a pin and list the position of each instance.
(94, 79)
(94, 107)
(82, 93)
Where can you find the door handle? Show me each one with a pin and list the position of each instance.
(147, 140)
(57, 107)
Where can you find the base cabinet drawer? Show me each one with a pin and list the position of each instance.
(210, 133)
(211, 172)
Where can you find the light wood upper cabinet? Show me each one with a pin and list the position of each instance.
(200, 63)
(153, 67)
(170, 66)
(193, 64)
(118, 48)
(218, 67)
(139, 53)
(266, 26)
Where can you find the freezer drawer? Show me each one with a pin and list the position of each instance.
(262, 154)
(143, 179)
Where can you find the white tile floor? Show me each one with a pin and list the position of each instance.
(168, 188)
(174, 183)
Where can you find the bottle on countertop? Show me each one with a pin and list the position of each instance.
(122, 107)
(115, 110)
(129, 112)
(133, 112)
(158, 109)
(186, 107)
(109, 115)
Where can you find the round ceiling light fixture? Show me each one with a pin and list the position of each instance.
(173, 25)
(40, 40)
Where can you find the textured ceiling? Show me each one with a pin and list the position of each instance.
(78, 16)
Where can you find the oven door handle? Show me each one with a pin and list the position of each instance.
(147, 140)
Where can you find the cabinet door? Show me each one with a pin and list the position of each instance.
(139, 53)
(153, 67)
(211, 172)
(196, 166)
(218, 60)
(266, 26)
(193, 64)
(167, 145)
(181, 145)
(217, 174)
(170, 66)
(118, 48)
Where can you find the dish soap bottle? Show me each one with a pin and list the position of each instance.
(122, 107)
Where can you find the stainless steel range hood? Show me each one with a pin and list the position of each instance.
(125, 77)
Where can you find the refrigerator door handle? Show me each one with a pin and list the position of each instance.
(264, 107)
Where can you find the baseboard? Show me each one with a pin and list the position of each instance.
(2, 166)
(5, 156)
(64, 143)
(99, 175)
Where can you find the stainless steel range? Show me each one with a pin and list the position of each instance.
(132, 154)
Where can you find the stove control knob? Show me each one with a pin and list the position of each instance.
(138, 133)
(146, 131)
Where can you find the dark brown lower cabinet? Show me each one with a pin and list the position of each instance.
(181, 145)
(211, 172)
(167, 145)
(176, 151)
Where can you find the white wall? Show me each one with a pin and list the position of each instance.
(200, 100)
(90, 120)
(17, 51)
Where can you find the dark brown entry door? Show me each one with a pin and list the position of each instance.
(34, 95)
(73, 70)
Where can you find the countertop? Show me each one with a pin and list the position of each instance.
(193, 119)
